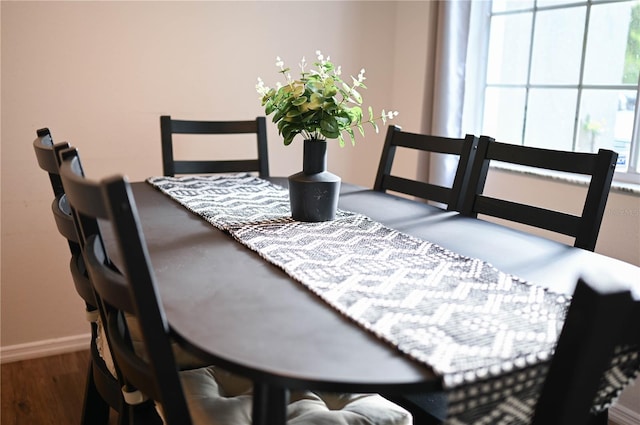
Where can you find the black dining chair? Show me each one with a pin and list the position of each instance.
(601, 325)
(452, 196)
(584, 227)
(207, 395)
(102, 390)
(600, 321)
(172, 166)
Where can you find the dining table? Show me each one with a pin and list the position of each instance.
(231, 306)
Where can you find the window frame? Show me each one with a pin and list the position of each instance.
(477, 54)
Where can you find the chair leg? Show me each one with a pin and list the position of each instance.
(140, 414)
(601, 418)
(95, 411)
(269, 404)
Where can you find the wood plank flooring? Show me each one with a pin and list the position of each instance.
(45, 391)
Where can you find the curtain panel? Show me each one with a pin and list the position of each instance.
(444, 96)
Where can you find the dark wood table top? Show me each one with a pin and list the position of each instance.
(228, 305)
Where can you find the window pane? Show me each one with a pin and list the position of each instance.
(534, 81)
(623, 128)
(608, 44)
(504, 114)
(506, 5)
(550, 118)
(509, 49)
(546, 3)
(606, 121)
(557, 46)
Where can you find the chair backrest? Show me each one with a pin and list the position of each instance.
(171, 166)
(47, 160)
(47, 157)
(584, 227)
(101, 380)
(596, 323)
(451, 196)
(111, 200)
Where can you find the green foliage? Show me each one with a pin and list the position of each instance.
(319, 105)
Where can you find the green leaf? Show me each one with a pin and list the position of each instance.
(299, 101)
(329, 134)
(288, 133)
(352, 136)
(355, 114)
(298, 90)
(284, 127)
(330, 91)
(288, 140)
(269, 108)
(329, 124)
(310, 116)
(316, 101)
(343, 122)
(370, 114)
(278, 115)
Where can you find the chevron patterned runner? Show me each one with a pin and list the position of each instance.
(461, 316)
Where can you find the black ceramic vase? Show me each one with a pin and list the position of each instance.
(313, 193)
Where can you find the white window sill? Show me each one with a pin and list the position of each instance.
(622, 187)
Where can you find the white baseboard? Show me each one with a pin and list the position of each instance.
(48, 347)
(622, 415)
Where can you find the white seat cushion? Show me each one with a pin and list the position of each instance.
(184, 359)
(217, 397)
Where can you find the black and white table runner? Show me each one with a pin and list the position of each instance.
(487, 333)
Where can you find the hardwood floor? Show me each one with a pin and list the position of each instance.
(45, 391)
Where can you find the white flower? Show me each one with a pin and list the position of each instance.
(279, 62)
(261, 88)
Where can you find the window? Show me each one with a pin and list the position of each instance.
(561, 74)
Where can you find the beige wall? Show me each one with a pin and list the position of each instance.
(99, 74)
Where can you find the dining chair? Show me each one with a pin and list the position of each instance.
(598, 323)
(584, 227)
(464, 149)
(102, 390)
(208, 395)
(172, 166)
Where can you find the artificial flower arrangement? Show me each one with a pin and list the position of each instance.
(319, 105)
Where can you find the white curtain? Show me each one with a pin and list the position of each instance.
(445, 103)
